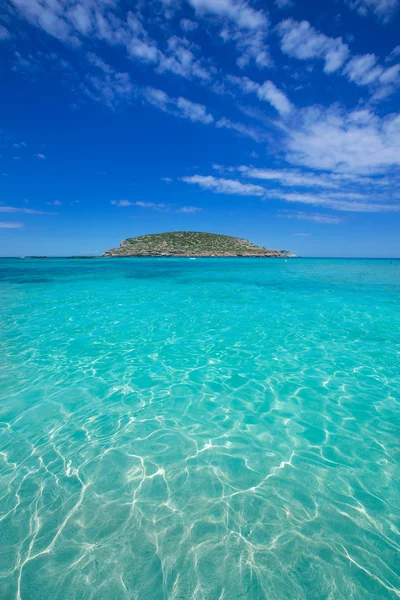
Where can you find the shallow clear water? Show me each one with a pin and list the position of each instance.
(209, 429)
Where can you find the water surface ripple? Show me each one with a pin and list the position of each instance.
(209, 429)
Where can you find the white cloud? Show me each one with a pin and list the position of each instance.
(340, 202)
(25, 211)
(141, 204)
(356, 142)
(10, 225)
(193, 111)
(188, 25)
(122, 203)
(395, 52)
(138, 43)
(283, 3)
(47, 15)
(71, 22)
(180, 107)
(383, 9)
(157, 206)
(268, 91)
(390, 75)
(80, 18)
(244, 83)
(225, 186)
(250, 46)
(180, 59)
(4, 33)
(166, 179)
(363, 69)
(109, 87)
(313, 217)
(302, 41)
(99, 63)
(38, 63)
(55, 203)
(161, 206)
(238, 11)
(289, 177)
(239, 128)
(192, 210)
(157, 98)
(343, 201)
(40, 155)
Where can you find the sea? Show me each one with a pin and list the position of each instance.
(209, 429)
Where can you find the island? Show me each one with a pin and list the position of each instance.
(192, 244)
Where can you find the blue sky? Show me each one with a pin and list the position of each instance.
(275, 121)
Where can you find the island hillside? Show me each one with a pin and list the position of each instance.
(191, 243)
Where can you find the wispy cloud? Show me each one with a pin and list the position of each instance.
(40, 155)
(284, 3)
(290, 177)
(340, 202)
(193, 111)
(302, 41)
(153, 205)
(238, 11)
(245, 130)
(383, 9)
(313, 217)
(122, 203)
(10, 225)
(188, 25)
(355, 142)
(344, 201)
(179, 58)
(181, 107)
(192, 210)
(161, 206)
(267, 91)
(54, 203)
(365, 70)
(225, 186)
(4, 33)
(109, 87)
(157, 206)
(25, 211)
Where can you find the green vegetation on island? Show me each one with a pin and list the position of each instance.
(191, 243)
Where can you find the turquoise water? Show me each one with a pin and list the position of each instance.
(208, 429)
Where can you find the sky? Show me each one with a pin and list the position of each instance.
(274, 121)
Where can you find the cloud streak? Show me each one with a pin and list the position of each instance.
(224, 186)
(356, 142)
(313, 218)
(300, 40)
(10, 225)
(181, 107)
(25, 211)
